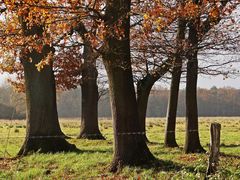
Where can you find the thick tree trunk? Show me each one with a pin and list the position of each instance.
(192, 143)
(89, 120)
(170, 139)
(144, 87)
(43, 130)
(130, 147)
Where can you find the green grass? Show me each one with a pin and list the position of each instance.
(95, 156)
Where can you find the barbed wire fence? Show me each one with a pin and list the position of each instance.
(5, 155)
(71, 136)
(9, 129)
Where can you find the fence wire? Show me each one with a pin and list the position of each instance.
(5, 153)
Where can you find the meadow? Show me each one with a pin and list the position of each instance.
(94, 157)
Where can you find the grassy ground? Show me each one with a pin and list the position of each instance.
(95, 156)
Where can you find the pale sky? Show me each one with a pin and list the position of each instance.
(203, 82)
(208, 82)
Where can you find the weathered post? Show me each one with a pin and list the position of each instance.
(214, 148)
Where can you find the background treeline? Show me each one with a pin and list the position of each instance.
(12, 104)
(211, 102)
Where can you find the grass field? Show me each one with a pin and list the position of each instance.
(95, 156)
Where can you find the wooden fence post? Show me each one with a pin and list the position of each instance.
(214, 148)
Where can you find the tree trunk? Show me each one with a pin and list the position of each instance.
(43, 130)
(130, 147)
(89, 120)
(192, 143)
(144, 87)
(170, 139)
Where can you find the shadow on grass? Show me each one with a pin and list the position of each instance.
(155, 143)
(230, 145)
(165, 165)
(164, 153)
(79, 151)
(152, 143)
(167, 151)
(229, 155)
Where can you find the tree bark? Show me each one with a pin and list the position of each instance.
(192, 143)
(43, 130)
(170, 139)
(129, 145)
(196, 28)
(144, 87)
(89, 120)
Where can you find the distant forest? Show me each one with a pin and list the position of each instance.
(211, 102)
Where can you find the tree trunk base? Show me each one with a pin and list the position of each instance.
(192, 143)
(170, 140)
(198, 149)
(46, 145)
(91, 136)
(138, 159)
(172, 144)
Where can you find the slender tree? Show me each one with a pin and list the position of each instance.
(170, 140)
(192, 143)
(197, 31)
(144, 87)
(152, 57)
(191, 13)
(90, 95)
